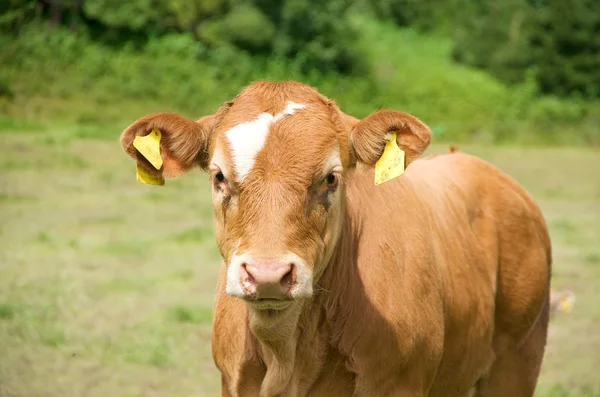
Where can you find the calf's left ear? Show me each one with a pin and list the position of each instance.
(369, 136)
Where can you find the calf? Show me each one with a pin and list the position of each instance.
(434, 283)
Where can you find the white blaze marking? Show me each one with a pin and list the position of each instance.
(289, 109)
(247, 139)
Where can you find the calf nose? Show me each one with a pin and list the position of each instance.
(268, 280)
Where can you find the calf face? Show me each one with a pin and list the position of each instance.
(278, 156)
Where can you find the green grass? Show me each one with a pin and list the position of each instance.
(107, 285)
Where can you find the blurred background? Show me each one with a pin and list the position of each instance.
(106, 285)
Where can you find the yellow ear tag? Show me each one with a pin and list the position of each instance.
(391, 163)
(566, 304)
(149, 147)
(144, 177)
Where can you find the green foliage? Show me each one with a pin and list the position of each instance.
(133, 14)
(565, 44)
(317, 35)
(189, 13)
(14, 13)
(494, 36)
(557, 40)
(55, 74)
(554, 41)
(431, 15)
(245, 26)
(5, 88)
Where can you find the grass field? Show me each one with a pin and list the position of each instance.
(106, 285)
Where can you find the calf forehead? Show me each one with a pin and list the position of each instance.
(267, 136)
(301, 145)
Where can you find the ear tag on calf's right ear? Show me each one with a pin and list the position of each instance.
(144, 176)
(149, 147)
(391, 163)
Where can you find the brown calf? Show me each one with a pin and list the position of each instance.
(435, 283)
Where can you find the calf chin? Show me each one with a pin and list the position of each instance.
(271, 325)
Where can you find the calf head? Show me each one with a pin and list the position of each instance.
(278, 156)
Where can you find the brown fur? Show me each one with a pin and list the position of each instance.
(368, 135)
(433, 284)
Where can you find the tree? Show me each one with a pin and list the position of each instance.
(559, 40)
(494, 36)
(565, 47)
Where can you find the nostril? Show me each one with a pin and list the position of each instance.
(289, 278)
(246, 275)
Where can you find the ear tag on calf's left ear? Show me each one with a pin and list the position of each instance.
(149, 147)
(391, 163)
(566, 304)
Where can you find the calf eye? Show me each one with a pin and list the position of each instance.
(219, 181)
(332, 181)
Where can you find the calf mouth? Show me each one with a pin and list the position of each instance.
(269, 303)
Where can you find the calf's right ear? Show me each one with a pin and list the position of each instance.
(182, 143)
